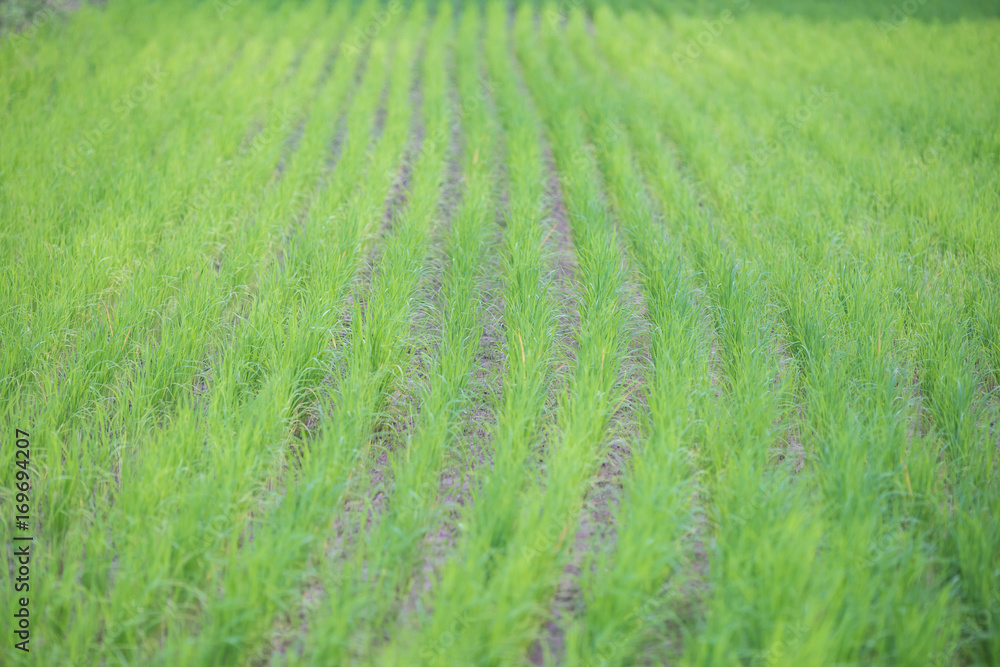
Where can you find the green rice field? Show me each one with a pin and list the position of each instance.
(583, 333)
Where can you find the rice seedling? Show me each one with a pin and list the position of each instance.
(439, 333)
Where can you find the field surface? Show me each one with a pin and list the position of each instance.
(492, 334)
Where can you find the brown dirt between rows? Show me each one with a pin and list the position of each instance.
(401, 403)
(345, 524)
(560, 239)
(596, 524)
(473, 444)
